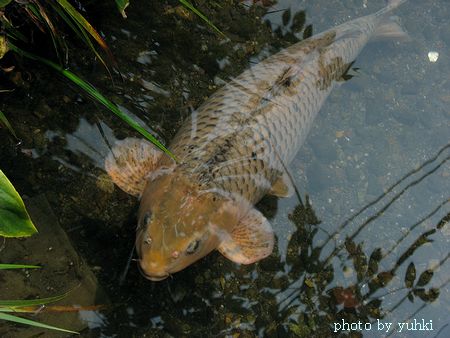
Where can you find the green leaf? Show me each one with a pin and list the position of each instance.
(4, 3)
(18, 266)
(30, 302)
(24, 321)
(14, 218)
(122, 5)
(5, 122)
(189, 6)
(95, 94)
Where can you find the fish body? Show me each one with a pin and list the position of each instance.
(233, 150)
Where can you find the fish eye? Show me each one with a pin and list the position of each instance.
(147, 218)
(192, 247)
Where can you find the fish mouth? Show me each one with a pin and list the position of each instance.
(156, 278)
(153, 278)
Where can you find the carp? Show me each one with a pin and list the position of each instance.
(234, 149)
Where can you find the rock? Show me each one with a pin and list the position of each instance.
(62, 270)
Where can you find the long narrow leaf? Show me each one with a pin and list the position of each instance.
(42, 16)
(24, 321)
(18, 266)
(79, 31)
(11, 31)
(52, 308)
(88, 88)
(81, 21)
(189, 6)
(5, 122)
(31, 302)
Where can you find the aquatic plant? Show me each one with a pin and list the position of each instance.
(45, 16)
(5, 123)
(24, 306)
(15, 222)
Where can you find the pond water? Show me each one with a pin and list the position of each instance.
(367, 241)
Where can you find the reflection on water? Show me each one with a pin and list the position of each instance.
(367, 241)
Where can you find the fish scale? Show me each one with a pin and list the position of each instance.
(267, 110)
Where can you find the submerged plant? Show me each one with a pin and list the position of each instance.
(26, 306)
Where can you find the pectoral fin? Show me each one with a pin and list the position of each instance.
(282, 187)
(129, 163)
(250, 241)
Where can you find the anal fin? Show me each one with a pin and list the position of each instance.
(129, 163)
(282, 187)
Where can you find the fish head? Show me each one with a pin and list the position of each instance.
(177, 225)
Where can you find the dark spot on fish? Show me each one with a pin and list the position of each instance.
(334, 70)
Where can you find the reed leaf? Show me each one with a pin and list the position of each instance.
(30, 302)
(83, 24)
(24, 321)
(189, 6)
(18, 266)
(4, 121)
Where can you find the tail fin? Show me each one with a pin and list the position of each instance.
(390, 28)
(392, 4)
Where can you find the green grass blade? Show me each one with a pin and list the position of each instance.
(189, 6)
(30, 302)
(18, 266)
(79, 31)
(85, 25)
(88, 88)
(42, 17)
(24, 321)
(12, 32)
(5, 122)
